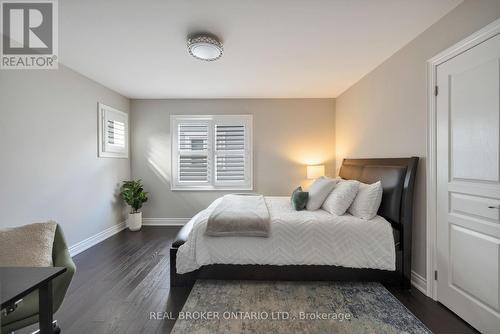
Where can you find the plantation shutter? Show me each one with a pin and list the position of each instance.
(113, 127)
(231, 165)
(193, 157)
(211, 152)
(115, 133)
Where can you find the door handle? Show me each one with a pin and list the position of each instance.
(494, 207)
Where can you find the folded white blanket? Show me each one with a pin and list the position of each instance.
(239, 215)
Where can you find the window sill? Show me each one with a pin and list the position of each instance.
(214, 189)
(113, 155)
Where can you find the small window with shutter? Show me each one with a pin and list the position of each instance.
(113, 132)
(211, 152)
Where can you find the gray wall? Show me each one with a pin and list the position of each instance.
(385, 113)
(48, 147)
(288, 133)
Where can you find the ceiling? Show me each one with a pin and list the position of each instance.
(278, 48)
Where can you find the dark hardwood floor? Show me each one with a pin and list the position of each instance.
(121, 280)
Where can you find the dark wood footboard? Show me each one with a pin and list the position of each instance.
(180, 280)
(286, 273)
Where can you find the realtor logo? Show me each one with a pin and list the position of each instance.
(29, 34)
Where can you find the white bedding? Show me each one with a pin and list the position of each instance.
(297, 238)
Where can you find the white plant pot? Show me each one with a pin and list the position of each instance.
(134, 221)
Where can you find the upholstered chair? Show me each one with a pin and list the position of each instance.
(27, 312)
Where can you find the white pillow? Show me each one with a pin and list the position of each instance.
(318, 191)
(367, 201)
(339, 200)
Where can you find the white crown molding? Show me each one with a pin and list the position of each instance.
(165, 221)
(419, 282)
(95, 239)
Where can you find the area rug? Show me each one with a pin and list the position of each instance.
(294, 307)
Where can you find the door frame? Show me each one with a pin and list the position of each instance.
(473, 40)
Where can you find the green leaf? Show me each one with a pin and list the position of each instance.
(132, 192)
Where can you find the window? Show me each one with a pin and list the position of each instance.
(113, 132)
(211, 152)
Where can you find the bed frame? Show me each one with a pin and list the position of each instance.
(398, 179)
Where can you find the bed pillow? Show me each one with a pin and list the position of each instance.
(299, 199)
(318, 191)
(341, 198)
(367, 201)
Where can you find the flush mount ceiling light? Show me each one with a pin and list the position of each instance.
(205, 47)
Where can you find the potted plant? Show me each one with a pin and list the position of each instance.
(132, 192)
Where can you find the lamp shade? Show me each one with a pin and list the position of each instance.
(313, 172)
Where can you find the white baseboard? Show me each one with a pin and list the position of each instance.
(110, 231)
(165, 221)
(419, 282)
(95, 239)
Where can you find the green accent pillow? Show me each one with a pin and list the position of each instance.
(299, 199)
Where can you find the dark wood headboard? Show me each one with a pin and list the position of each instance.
(398, 181)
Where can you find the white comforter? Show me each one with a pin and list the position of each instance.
(297, 237)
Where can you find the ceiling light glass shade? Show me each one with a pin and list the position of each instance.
(205, 48)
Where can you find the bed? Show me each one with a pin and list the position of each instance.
(311, 245)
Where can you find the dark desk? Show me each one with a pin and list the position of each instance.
(17, 282)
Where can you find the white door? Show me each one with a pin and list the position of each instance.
(468, 185)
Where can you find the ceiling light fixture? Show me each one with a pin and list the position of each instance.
(205, 47)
